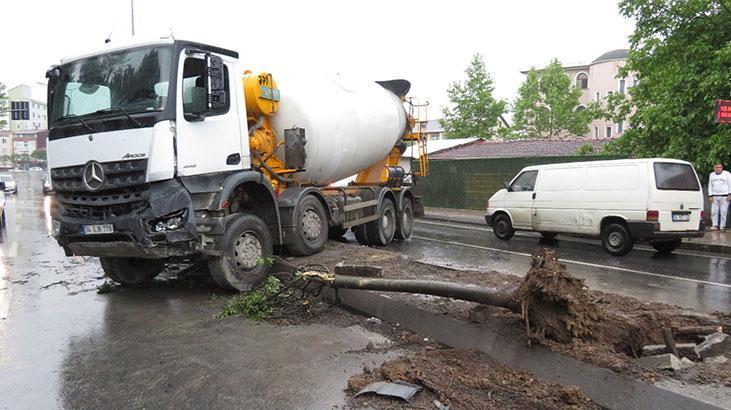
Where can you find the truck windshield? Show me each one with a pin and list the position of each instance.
(132, 81)
(675, 177)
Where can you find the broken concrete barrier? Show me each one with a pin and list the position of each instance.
(663, 361)
(714, 345)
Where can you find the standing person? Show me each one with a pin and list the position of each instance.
(719, 193)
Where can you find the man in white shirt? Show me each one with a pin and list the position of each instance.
(719, 193)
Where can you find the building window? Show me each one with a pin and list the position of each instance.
(620, 127)
(596, 132)
(598, 96)
(582, 81)
(635, 82)
(621, 85)
(609, 132)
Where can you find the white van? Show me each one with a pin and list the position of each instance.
(659, 200)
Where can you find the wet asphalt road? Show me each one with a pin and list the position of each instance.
(695, 280)
(62, 345)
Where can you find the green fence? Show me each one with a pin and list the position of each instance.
(469, 183)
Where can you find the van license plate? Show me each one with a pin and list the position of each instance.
(681, 217)
(97, 229)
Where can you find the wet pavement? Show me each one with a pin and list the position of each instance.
(63, 345)
(689, 279)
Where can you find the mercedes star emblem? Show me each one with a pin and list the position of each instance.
(93, 176)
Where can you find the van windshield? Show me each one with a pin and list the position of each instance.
(675, 177)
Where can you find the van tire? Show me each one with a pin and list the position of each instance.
(666, 247)
(616, 239)
(132, 271)
(237, 267)
(502, 227)
(548, 236)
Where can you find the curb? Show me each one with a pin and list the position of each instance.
(692, 246)
(608, 389)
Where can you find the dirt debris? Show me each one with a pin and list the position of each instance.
(466, 379)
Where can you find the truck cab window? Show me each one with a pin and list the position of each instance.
(194, 88)
(525, 182)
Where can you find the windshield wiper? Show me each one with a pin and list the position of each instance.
(77, 118)
(122, 111)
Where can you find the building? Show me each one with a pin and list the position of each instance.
(26, 112)
(24, 142)
(6, 149)
(434, 129)
(597, 80)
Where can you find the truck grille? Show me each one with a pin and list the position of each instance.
(122, 192)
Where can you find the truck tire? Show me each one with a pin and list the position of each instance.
(616, 239)
(132, 271)
(666, 247)
(502, 227)
(382, 230)
(361, 235)
(247, 238)
(336, 232)
(311, 231)
(405, 225)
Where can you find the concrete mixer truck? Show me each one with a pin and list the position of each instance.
(163, 152)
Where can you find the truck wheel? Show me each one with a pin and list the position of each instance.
(502, 227)
(361, 235)
(382, 230)
(616, 240)
(247, 238)
(132, 271)
(666, 247)
(406, 222)
(311, 232)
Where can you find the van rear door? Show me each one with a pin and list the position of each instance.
(676, 195)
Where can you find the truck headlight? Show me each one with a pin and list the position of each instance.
(169, 222)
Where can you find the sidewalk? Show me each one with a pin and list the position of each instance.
(710, 242)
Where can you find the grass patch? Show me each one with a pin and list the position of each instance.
(257, 304)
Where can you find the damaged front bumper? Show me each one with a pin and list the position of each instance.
(160, 223)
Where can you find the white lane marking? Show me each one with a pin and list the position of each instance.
(527, 235)
(573, 262)
(13, 250)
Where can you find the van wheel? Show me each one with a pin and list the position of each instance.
(502, 227)
(132, 271)
(311, 232)
(549, 236)
(616, 240)
(245, 241)
(406, 222)
(666, 247)
(382, 230)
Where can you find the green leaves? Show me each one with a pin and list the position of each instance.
(474, 112)
(546, 106)
(257, 304)
(681, 50)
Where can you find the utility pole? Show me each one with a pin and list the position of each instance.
(132, 10)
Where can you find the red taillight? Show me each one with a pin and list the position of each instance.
(653, 216)
(703, 214)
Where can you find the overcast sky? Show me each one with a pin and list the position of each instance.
(426, 42)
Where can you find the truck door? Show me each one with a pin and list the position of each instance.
(519, 199)
(207, 139)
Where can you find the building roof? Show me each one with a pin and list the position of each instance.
(617, 54)
(437, 145)
(515, 148)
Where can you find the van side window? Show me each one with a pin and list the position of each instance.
(525, 181)
(194, 88)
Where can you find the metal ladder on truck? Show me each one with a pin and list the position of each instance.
(419, 119)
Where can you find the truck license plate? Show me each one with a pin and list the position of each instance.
(681, 217)
(97, 229)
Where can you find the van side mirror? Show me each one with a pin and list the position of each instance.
(506, 185)
(216, 83)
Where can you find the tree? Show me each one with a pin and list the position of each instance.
(547, 105)
(474, 112)
(3, 107)
(39, 154)
(681, 53)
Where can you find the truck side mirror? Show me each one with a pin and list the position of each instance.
(216, 83)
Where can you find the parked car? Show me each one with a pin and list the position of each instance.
(47, 187)
(11, 187)
(620, 201)
(35, 169)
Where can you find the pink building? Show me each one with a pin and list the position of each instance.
(597, 80)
